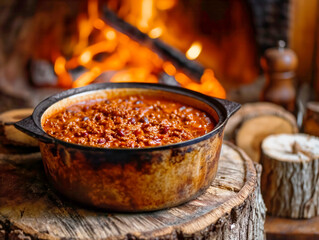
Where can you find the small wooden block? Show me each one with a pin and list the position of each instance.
(277, 228)
(311, 120)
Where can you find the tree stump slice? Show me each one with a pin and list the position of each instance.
(254, 122)
(290, 176)
(231, 208)
(9, 135)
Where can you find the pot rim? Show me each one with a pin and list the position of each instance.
(216, 103)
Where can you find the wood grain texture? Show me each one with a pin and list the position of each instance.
(290, 177)
(232, 208)
(254, 122)
(277, 228)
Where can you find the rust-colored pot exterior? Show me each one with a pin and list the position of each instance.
(123, 181)
(131, 179)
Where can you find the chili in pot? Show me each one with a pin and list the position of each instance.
(122, 177)
(128, 122)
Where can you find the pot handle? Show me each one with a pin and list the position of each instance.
(28, 126)
(230, 106)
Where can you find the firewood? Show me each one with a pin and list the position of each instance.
(292, 229)
(9, 135)
(290, 176)
(231, 208)
(311, 121)
(20, 158)
(255, 121)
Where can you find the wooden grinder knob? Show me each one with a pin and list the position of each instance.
(279, 65)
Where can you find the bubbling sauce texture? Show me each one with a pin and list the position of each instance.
(128, 122)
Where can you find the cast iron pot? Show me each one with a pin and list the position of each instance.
(141, 179)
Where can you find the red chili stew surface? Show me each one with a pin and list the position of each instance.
(128, 122)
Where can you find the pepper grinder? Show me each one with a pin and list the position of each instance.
(279, 65)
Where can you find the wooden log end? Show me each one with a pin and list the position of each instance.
(290, 175)
(9, 135)
(311, 119)
(255, 121)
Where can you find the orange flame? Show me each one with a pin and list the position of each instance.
(132, 62)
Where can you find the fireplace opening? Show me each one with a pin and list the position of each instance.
(208, 46)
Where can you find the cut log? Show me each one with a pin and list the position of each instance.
(255, 121)
(290, 176)
(9, 135)
(278, 228)
(231, 208)
(18, 158)
(311, 121)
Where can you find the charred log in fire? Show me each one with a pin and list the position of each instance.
(111, 49)
(166, 52)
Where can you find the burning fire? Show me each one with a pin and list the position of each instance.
(115, 52)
